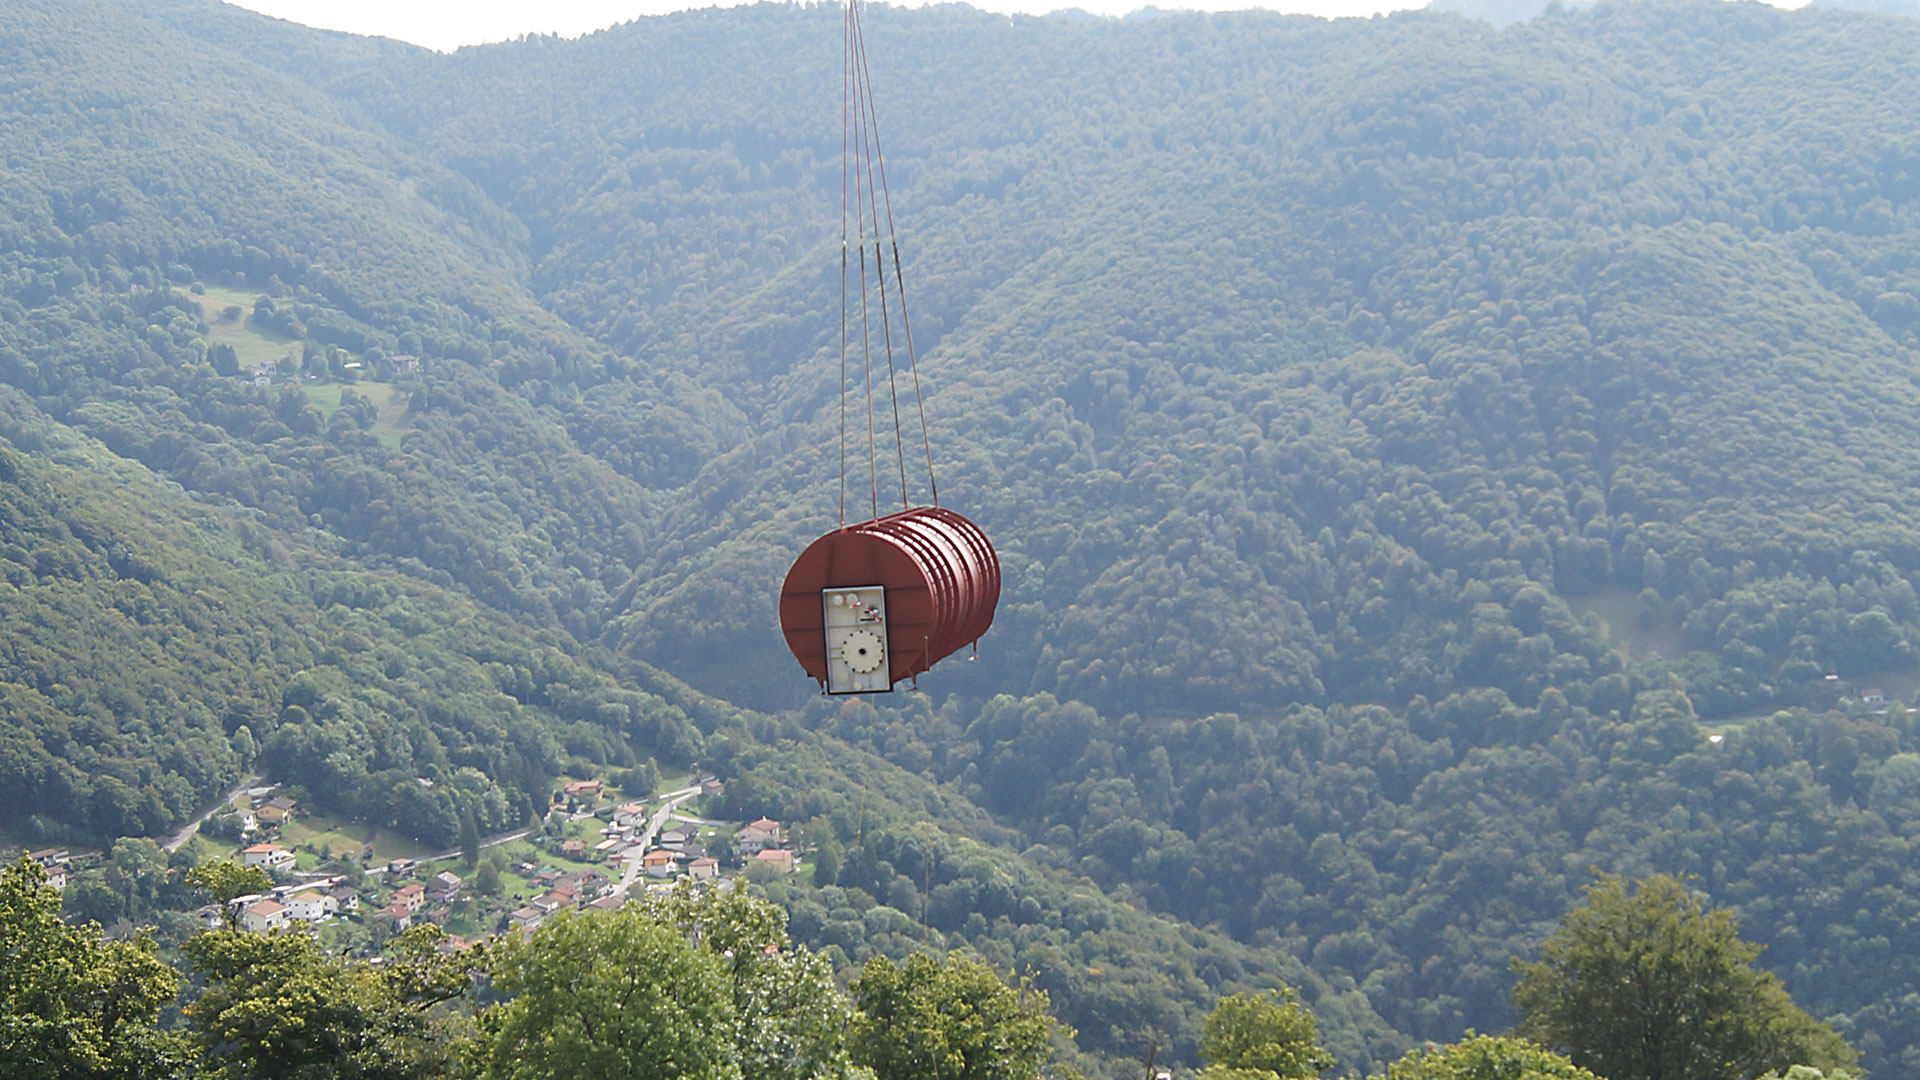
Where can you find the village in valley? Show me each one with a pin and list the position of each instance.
(357, 887)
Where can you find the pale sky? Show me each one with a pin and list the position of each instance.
(448, 24)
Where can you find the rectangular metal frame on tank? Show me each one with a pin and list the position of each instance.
(847, 613)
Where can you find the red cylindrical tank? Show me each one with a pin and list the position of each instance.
(941, 577)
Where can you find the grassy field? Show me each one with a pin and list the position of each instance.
(253, 344)
(229, 317)
(1618, 610)
(325, 396)
(347, 838)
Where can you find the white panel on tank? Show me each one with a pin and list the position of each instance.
(857, 661)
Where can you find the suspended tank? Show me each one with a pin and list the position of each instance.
(870, 605)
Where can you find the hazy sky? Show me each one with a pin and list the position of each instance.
(449, 24)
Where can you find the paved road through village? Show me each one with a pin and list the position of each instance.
(668, 804)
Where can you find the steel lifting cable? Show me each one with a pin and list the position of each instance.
(893, 239)
(880, 263)
(864, 190)
(846, 94)
(860, 198)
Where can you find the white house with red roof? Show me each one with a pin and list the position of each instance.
(764, 833)
(263, 915)
(312, 907)
(266, 856)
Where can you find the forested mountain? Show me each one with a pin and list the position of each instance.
(1406, 442)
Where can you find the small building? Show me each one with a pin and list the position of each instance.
(346, 898)
(764, 833)
(312, 907)
(400, 867)
(779, 858)
(675, 838)
(703, 869)
(573, 849)
(608, 903)
(266, 856)
(48, 858)
(527, 917)
(401, 915)
(411, 896)
(406, 362)
(275, 811)
(1873, 695)
(582, 789)
(659, 863)
(444, 885)
(263, 915)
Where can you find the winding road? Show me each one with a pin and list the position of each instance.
(186, 832)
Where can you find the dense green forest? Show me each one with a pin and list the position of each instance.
(1429, 461)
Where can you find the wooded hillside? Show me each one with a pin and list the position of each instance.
(1407, 443)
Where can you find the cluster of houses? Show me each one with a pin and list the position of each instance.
(434, 895)
(267, 814)
(55, 862)
(322, 899)
(675, 853)
(264, 374)
(310, 902)
(565, 891)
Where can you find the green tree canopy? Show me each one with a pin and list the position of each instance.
(223, 880)
(1260, 1037)
(621, 994)
(278, 1006)
(789, 1016)
(953, 1018)
(1646, 982)
(73, 1005)
(1487, 1057)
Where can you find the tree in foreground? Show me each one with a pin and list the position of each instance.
(278, 1007)
(951, 1019)
(789, 1016)
(224, 881)
(614, 994)
(694, 985)
(1487, 1057)
(1646, 983)
(1261, 1037)
(73, 1004)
